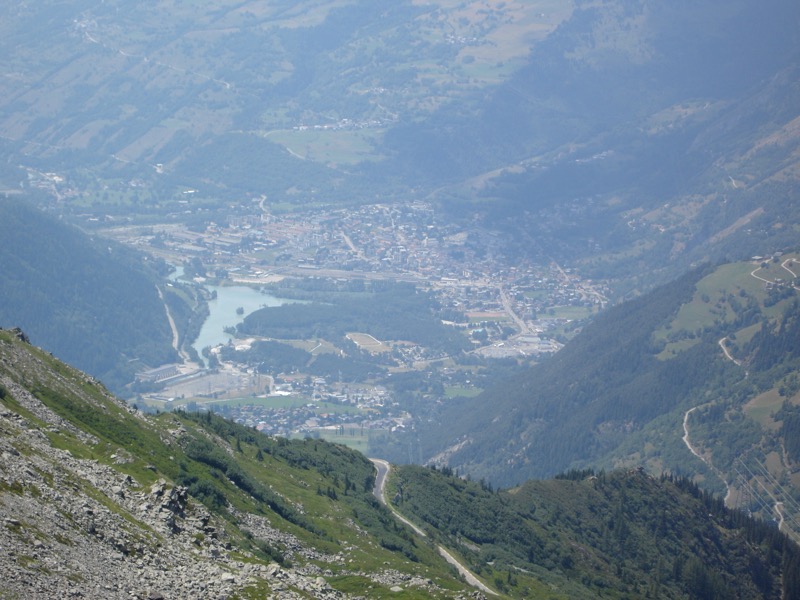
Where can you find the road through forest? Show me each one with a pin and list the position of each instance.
(723, 345)
(380, 493)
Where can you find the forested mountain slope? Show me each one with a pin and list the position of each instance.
(712, 354)
(596, 535)
(92, 302)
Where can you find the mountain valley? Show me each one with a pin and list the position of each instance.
(539, 260)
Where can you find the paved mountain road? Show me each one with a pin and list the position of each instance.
(380, 493)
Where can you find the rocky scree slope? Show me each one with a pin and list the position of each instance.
(83, 517)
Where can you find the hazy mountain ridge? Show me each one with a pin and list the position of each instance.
(614, 63)
(696, 181)
(627, 137)
(648, 167)
(155, 85)
(93, 302)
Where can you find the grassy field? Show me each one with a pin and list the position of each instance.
(287, 402)
(761, 408)
(268, 402)
(709, 301)
(488, 317)
(312, 346)
(536, 294)
(676, 348)
(454, 391)
(367, 342)
(712, 301)
(340, 146)
(718, 298)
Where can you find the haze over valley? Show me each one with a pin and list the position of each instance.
(491, 243)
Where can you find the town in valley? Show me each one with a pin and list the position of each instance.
(512, 309)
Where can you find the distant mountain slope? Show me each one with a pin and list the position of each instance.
(236, 98)
(618, 393)
(639, 139)
(610, 65)
(576, 404)
(92, 303)
(631, 138)
(701, 179)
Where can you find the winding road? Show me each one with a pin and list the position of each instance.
(686, 434)
(175, 336)
(730, 357)
(727, 352)
(778, 506)
(793, 261)
(708, 463)
(379, 492)
(688, 443)
(781, 519)
(784, 265)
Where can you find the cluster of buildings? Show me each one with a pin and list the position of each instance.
(330, 409)
(468, 266)
(509, 304)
